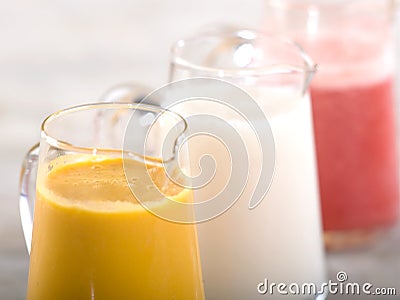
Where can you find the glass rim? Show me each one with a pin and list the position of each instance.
(308, 67)
(65, 145)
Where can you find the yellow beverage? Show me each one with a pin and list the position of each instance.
(93, 240)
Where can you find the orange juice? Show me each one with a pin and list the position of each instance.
(93, 240)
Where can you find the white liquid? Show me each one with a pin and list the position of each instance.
(279, 240)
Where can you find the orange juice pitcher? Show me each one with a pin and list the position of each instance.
(100, 168)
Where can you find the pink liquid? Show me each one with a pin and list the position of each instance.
(354, 120)
(357, 154)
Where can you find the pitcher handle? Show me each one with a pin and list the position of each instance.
(27, 188)
(129, 92)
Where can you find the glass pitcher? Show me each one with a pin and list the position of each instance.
(92, 238)
(353, 99)
(243, 251)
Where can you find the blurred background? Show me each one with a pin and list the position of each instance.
(55, 54)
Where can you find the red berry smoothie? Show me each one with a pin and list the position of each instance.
(355, 132)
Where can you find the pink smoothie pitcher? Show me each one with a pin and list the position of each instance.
(353, 103)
